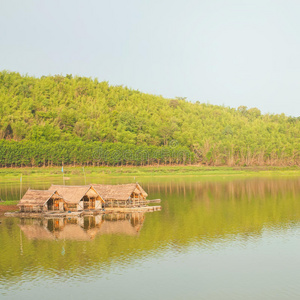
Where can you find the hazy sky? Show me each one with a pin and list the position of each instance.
(230, 52)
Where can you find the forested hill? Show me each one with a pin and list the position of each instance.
(55, 119)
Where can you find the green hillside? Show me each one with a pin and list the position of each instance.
(76, 120)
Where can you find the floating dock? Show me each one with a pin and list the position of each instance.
(66, 214)
(153, 201)
(110, 210)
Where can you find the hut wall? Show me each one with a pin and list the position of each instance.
(55, 205)
(123, 203)
(80, 205)
(98, 204)
(89, 203)
(31, 208)
(72, 207)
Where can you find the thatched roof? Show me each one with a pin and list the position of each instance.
(142, 190)
(118, 191)
(73, 194)
(37, 197)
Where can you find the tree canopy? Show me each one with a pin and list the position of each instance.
(75, 118)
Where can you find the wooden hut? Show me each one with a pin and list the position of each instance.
(122, 195)
(80, 197)
(41, 201)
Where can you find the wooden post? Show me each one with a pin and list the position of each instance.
(84, 175)
(21, 187)
(62, 169)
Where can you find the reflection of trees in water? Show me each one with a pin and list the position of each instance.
(206, 211)
(11, 191)
(235, 189)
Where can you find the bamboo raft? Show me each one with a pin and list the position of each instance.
(71, 201)
(153, 201)
(132, 209)
(107, 210)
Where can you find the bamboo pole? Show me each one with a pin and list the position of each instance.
(84, 176)
(62, 169)
(21, 186)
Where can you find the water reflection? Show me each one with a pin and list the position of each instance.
(199, 217)
(82, 228)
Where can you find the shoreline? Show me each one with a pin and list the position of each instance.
(125, 171)
(7, 208)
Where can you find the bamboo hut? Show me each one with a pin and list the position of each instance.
(78, 198)
(122, 195)
(41, 201)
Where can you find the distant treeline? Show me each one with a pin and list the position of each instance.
(55, 119)
(27, 153)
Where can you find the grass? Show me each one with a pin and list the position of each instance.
(13, 174)
(12, 202)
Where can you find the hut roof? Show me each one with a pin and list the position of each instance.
(72, 194)
(142, 190)
(117, 191)
(36, 197)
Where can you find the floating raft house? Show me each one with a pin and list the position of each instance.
(41, 201)
(122, 195)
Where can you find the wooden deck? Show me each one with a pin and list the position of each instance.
(153, 201)
(132, 209)
(64, 214)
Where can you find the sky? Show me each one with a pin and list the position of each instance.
(223, 52)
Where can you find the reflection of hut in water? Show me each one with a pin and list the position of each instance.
(55, 229)
(128, 224)
(122, 195)
(34, 230)
(79, 198)
(82, 228)
(41, 201)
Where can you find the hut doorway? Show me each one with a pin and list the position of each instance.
(88, 203)
(50, 204)
(55, 205)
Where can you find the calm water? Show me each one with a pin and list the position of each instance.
(224, 239)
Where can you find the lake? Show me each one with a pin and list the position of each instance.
(215, 238)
